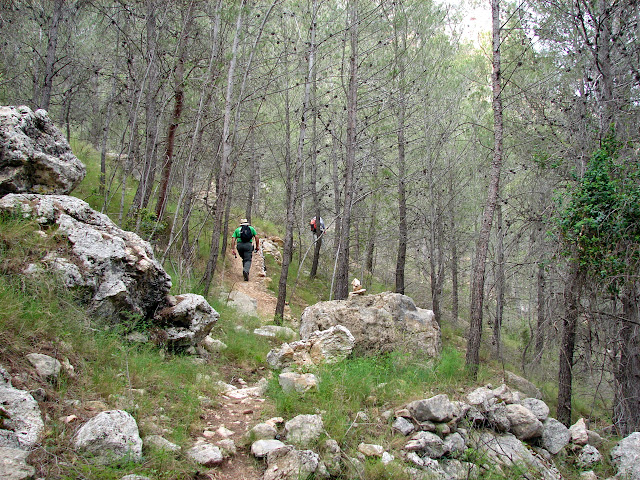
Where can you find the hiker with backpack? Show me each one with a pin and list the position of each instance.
(242, 241)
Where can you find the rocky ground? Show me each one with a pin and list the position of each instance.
(238, 415)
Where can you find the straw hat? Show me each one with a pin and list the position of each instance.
(244, 221)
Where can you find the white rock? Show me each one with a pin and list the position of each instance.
(625, 456)
(24, 416)
(371, 450)
(161, 443)
(276, 331)
(304, 430)
(261, 448)
(213, 345)
(579, 434)
(109, 437)
(13, 464)
(537, 407)
(555, 436)
(296, 382)
(524, 424)
(46, 367)
(205, 454)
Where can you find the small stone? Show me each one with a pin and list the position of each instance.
(227, 446)
(261, 448)
(206, 454)
(224, 432)
(371, 450)
(403, 426)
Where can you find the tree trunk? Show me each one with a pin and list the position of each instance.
(567, 344)
(541, 324)
(401, 257)
(626, 409)
(225, 167)
(178, 95)
(454, 275)
(106, 127)
(293, 177)
(341, 286)
(254, 187)
(482, 245)
(500, 282)
(50, 60)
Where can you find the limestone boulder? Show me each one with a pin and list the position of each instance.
(14, 466)
(434, 409)
(588, 457)
(205, 454)
(261, 448)
(23, 424)
(290, 464)
(275, 331)
(379, 323)
(539, 408)
(524, 424)
(579, 432)
(35, 157)
(304, 430)
(117, 266)
(110, 437)
(297, 382)
(426, 443)
(625, 456)
(187, 321)
(46, 367)
(506, 449)
(327, 346)
(522, 384)
(555, 436)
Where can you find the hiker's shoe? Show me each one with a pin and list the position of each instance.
(246, 276)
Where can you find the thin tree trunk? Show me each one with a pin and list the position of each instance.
(454, 275)
(178, 93)
(50, 60)
(500, 281)
(341, 286)
(482, 246)
(294, 176)
(254, 188)
(401, 257)
(185, 202)
(567, 345)
(106, 127)
(225, 167)
(626, 409)
(541, 323)
(141, 198)
(314, 178)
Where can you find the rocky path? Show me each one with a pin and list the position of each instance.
(239, 410)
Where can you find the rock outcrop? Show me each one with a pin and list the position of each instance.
(379, 323)
(34, 155)
(116, 265)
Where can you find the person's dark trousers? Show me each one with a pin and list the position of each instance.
(245, 249)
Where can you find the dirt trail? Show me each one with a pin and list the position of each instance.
(240, 414)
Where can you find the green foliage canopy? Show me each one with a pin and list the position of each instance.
(600, 223)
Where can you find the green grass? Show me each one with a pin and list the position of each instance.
(371, 383)
(38, 314)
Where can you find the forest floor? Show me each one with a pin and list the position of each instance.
(240, 414)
